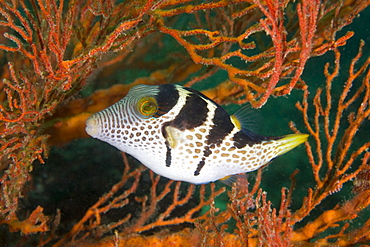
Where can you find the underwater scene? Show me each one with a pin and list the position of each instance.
(184, 123)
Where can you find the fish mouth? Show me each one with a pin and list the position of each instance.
(92, 127)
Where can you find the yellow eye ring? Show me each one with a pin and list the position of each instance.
(147, 106)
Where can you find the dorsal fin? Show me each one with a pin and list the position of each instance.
(246, 118)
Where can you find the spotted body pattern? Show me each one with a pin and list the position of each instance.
(181, 134)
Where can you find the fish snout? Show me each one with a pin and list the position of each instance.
(92, 126)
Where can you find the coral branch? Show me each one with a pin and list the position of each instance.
(36, 222)
(39, 37)
(329, 218)
(336, 158)
(148, 217)
(251, 49)
(259, 81)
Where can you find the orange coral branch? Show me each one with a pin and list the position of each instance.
(336, 158)
(36, 223)
(149, 206)
(105, 203)
(274, 14)
(307, 14)
(329, 218)
(270, 65)
(21, 97)
(45, 72)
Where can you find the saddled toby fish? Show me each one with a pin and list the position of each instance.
(181, 134)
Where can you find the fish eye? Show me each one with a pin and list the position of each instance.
(148, 106)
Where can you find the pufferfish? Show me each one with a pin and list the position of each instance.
(181, 134)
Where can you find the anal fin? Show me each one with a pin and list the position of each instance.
(231, 179)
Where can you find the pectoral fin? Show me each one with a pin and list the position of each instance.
(173, 136)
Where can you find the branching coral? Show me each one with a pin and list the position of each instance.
(41, 37)
(335, 162)
(286, 57)
(49, 48)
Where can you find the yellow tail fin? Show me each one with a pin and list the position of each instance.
(289, 142)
